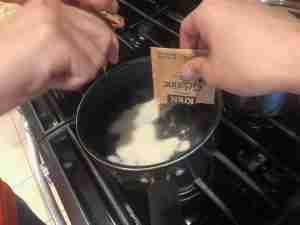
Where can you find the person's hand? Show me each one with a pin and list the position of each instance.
(253, 49)
(48, 44)
(111, 6)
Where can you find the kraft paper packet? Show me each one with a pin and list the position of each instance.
(168, 85)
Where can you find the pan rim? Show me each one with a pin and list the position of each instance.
(146, 168)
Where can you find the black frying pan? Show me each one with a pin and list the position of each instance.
(118, 90)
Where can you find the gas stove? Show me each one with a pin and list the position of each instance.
(250, 175)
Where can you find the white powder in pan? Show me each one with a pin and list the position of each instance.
(139, 115)
(138, 143)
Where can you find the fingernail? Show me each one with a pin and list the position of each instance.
(187, 74)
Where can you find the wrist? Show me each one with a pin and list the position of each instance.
(15, 85)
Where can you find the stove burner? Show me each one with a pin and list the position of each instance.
(187, 188)
(203, 167)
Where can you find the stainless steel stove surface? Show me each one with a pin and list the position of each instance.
(249, 175)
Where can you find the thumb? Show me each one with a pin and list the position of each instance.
(196, 68)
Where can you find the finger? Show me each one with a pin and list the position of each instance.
(113, 54)
(13, 1)
(80, 71)
(96, 55)
(106, 5)
(190, 35)
(55, 4)
(114, 20)
(87, 21)
(69, 83)
(76, 76)
(76, 12)
(99, 5)
(95, 46)
(84, 60)
(73, 83)
(97, 31)
(196, 68)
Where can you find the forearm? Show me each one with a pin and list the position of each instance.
(290, 64)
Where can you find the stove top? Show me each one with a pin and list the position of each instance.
(250, 174)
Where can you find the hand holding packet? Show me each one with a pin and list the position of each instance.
(169, 87)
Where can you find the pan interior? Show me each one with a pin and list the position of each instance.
(120, 90)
